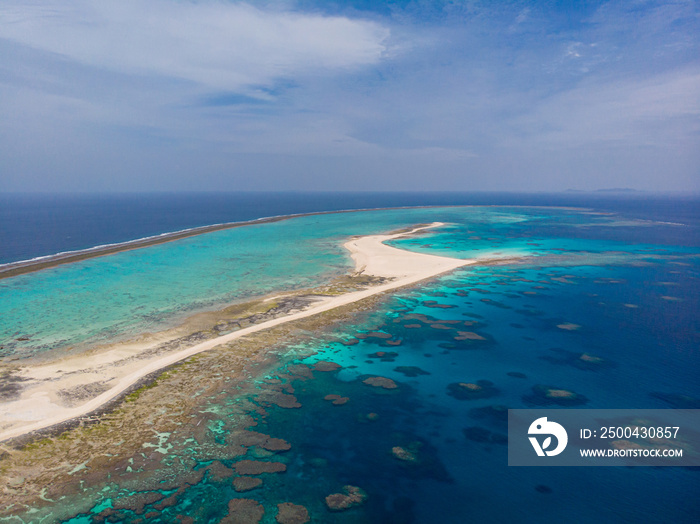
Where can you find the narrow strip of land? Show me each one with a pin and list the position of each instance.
(40, 407)
(12, 269)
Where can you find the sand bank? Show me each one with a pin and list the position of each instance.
(104, 376)
(21, 267)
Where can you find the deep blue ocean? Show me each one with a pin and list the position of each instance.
(604, 305)
(33, 225)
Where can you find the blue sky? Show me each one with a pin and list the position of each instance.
(143, 95)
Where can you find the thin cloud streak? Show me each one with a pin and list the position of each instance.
(219, 45)
(142, 95)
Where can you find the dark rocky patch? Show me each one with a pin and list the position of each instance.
(323, 365)
(10, 386)
(495, 303)
(472, 391)
(529, 312)
(583, 361)
(384, 356)
(411, 371)
(677, 400)
(543, 395)
(435, 304)
(243, 511)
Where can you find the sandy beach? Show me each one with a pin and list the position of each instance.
(77, 386)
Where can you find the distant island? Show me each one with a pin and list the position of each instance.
(606, 190)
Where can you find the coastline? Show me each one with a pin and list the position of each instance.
(180, 428)
(41, 405)
(21, 267)
(12, 269)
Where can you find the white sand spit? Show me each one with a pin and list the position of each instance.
(40, 406)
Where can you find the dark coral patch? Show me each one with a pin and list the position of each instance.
(411, 371)
(288, 513)
(529, 312)
(677, 400)
(244, 511)
(384, 356)
(380, 382)
(378, 334)
(471, 390)
(584, 361)
(543, 395)
(351, 496)
(495, 303)
(337, 400)
(241, 484)
(435, 304)
(323, 365)
(256, 467)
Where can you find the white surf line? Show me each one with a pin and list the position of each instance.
(371, 256)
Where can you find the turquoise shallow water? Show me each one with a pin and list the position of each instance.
(149, 289)
(635, 304)
(106, 298)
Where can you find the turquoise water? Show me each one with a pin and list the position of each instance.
(143, 290)
(149, 289)
(634, 298)
(103, 299)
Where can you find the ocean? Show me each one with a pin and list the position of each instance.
(620, 285)
(34, 225)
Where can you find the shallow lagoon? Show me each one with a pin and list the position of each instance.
(635, 309)
(121, 295)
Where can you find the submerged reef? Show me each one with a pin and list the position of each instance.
(242, 484)
(583, 361)
(380, 382)
(351, 496)
(472, 391)
(543, 395)
(243, 511)
(288, 513)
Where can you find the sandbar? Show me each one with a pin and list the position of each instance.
(41, 406)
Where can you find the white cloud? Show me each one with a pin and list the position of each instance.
(154, 86)
(225, 46)
(663, 110)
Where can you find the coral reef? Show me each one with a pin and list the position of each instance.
(256, 467)
(544, 395)
(288, 513)
(380, 382)
(243, 511)
(242, 484)
(352, 496)
(472, 391)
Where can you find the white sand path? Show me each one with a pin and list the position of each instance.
(39, 407)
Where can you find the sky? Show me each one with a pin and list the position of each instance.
(463, 95)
